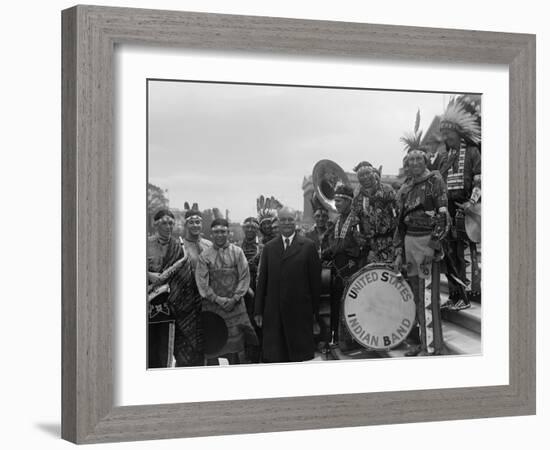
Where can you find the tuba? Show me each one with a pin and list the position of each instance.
(326, 174)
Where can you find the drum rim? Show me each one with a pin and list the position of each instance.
(347, 286)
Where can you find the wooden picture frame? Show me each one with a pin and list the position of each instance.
(90, 34)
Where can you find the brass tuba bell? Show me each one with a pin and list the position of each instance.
(326, 174)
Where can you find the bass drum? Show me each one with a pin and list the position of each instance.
(378, 307)
(161, 329)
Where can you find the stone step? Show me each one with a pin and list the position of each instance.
(467, 318)
(461, 341)
(458, 340)
(361, 353)
(397, 352)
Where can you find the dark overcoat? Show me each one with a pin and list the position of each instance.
(287, 297)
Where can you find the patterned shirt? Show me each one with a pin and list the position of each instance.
(252, 250)
(343, 245)
(419, 202)
(462, 172)
(376, 211)
(227, 257)
(194, 248)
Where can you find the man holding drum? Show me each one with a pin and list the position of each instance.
(344, 246)
(422, 224)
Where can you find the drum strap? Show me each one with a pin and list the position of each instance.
(345, 227)
(338, 270)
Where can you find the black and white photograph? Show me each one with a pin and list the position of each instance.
(294, 223)
(259, 224)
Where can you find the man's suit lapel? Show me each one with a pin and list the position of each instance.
(294, 248)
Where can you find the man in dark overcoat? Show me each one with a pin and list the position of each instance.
(287, 294)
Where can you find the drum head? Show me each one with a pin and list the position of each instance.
(472, 223)
(379, 309)
(215, 332)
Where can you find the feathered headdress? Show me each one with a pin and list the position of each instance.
(267, 208)
(217, 213)
(456, 117)
(192, 211)
(413, 140)
(471, 103)
(186, 206)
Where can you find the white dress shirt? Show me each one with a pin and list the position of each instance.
(290, 239)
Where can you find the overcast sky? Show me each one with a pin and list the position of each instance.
(222, 145)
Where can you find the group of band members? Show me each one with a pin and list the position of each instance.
(267, 289)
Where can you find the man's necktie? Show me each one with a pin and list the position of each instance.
(287, 243)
